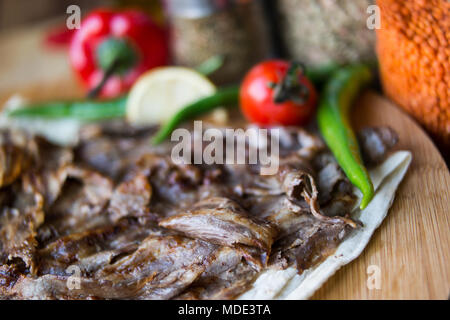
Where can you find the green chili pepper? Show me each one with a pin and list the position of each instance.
(333, 118)
(93, 109)
(225, 96)
(320, 74)
(82, 110)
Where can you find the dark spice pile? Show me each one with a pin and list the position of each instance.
(318, 32)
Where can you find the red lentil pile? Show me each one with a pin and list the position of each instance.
(413, 47)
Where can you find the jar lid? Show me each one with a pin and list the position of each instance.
(194, 8)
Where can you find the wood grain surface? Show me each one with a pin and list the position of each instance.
(411, 247)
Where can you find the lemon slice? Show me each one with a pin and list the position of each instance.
(158, 94)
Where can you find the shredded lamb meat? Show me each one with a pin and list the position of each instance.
(222, 221)
(139, 226)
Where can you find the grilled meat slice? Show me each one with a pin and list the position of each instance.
(295, 179)
(16, 155)
(177, 187)
(81, 204)
(376, 142)
(21, 213)
(113, 148)
(222, 221)
(49, 170)
(293, 140)
(23, 154)
(335, 190)
(302, 238)
(281, 214)
(24, 202)
(94, 249)
(171, 183)
(130, 198)
(9, 274)
(226, 277)
(312, 241)
(13, 160)
(160, 268)
(299, 186)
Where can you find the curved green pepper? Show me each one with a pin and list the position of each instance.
(333, 116)
(91, 110)
(223, 97)
(82, 110)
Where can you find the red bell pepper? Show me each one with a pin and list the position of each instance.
(113, 48)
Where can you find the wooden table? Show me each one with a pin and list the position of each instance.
(412, 246)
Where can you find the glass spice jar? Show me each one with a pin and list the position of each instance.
(235, 29)
(322, 32)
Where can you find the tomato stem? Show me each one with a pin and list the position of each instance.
(94, 92)
(290, 88)
(114, 56)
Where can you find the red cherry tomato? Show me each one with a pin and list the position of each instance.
(277, 92)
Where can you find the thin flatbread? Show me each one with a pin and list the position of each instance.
(287, 284)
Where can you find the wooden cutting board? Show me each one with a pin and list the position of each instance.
(412, 246)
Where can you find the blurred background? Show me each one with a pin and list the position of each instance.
(413, 45)
(19, 13)
(318, 33)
